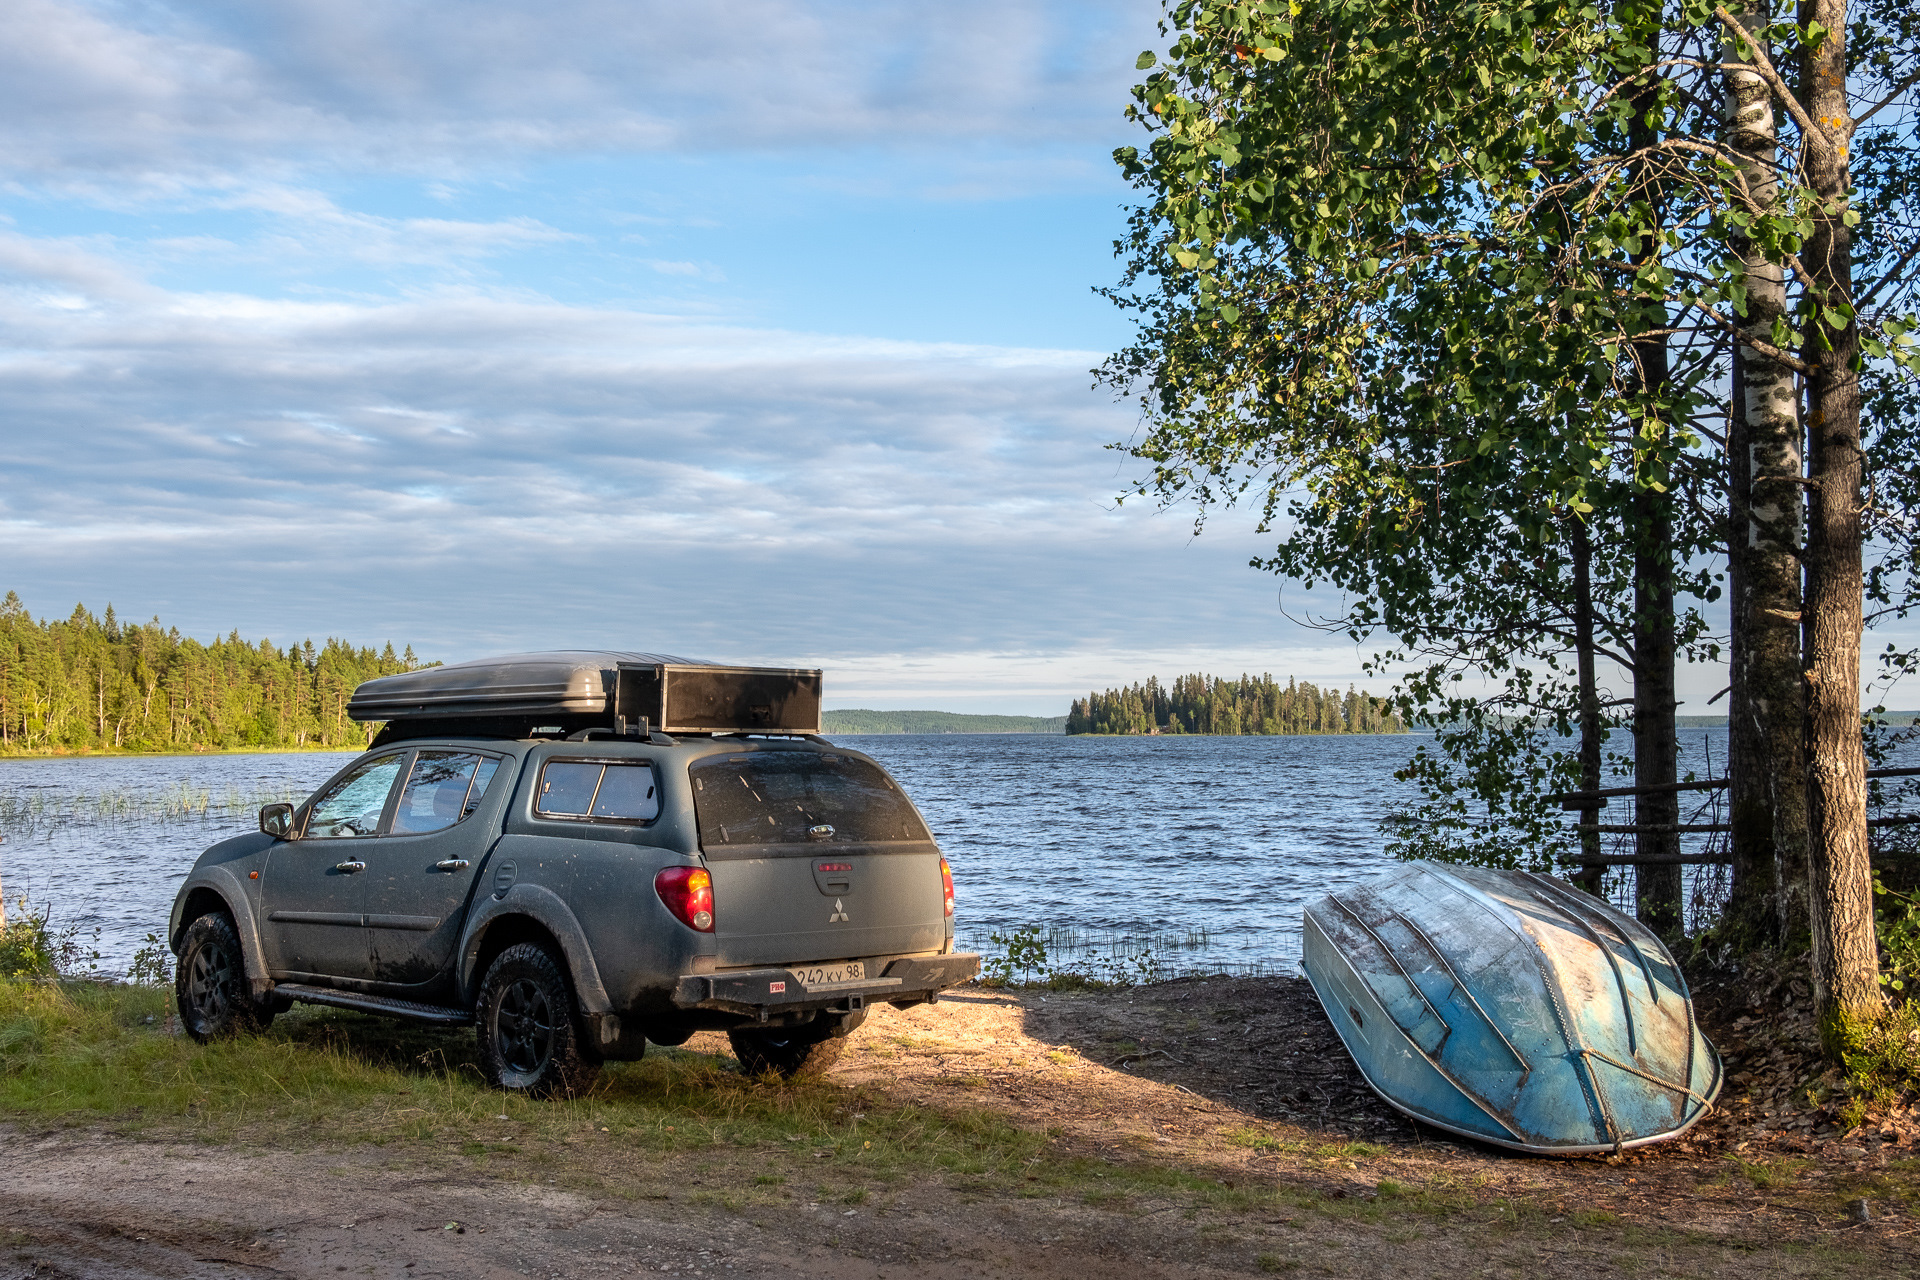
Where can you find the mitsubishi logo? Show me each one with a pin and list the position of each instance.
(839, 912)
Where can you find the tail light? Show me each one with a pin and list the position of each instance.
(688, 893)
(946, 883)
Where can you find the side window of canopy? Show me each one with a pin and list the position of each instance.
(598, 791)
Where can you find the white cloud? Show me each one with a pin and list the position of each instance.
(470, 471)
(284, 412)
(692, 270)
(49, 267)
(162, 95)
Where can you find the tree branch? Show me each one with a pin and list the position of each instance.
(1887, 101)
(1617, 86)
(1889, 277)
(1767, 349)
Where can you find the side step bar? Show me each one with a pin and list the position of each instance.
(411, 1010)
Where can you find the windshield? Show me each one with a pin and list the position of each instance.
(800, 797)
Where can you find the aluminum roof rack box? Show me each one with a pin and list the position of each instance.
(576, 688)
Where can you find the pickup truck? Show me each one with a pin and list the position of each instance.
(576, 891)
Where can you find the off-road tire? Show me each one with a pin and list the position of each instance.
(525, 1021)
(210, 985)
(793, 1053)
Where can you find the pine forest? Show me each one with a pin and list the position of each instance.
(96, 683)
(1249, 705)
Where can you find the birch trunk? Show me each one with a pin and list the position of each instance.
(1845, 963)
(1769, 793)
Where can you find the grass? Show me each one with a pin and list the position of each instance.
(677, 1125)
(1770, 1174)
(86, 1054)
(84, 1051)
(23, 815)
(1341, 1149)
(178, 749)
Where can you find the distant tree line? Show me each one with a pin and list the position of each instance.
(862, 720)
(95, 682)
(1249, 705)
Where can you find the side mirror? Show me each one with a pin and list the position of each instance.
(276, 820)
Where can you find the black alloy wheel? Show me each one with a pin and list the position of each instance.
(529, 1038)
(210, 986)
(523, 1027)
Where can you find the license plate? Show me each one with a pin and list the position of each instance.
(827, 974)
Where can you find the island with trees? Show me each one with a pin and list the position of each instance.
(1249, 705)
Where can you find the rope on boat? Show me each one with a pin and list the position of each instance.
(1612, 1061)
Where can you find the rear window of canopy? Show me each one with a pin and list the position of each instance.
(800, 797)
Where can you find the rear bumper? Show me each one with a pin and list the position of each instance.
(901, 980)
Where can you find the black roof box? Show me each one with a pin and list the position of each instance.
(576, 688)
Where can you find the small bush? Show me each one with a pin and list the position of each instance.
(1024, 951)
(1883, 1057)
(1896, 920)
(31, 947)
(152, 964)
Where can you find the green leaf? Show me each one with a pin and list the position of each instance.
(1144, 61)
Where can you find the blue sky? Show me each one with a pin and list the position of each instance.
(759, 332)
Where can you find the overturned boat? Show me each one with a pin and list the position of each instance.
(1512, 1008)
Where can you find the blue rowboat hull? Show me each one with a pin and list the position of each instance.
(1510, 1007)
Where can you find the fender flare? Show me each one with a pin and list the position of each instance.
(551, 912)
(222, 883)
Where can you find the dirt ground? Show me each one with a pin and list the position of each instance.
(1238, 1081)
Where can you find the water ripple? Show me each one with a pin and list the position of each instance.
(1219, 840)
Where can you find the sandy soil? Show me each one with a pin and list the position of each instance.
(1236, 1080)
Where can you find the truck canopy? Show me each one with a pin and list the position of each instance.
(520, 694)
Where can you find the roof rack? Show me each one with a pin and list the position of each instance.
(572, 689)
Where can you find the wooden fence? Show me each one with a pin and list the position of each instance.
(1594, 865)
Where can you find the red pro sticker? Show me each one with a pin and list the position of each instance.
(773, 987)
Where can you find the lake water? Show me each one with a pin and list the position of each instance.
(1199, 851)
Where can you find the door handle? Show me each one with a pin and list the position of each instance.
(451, 864)
(350, 867)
